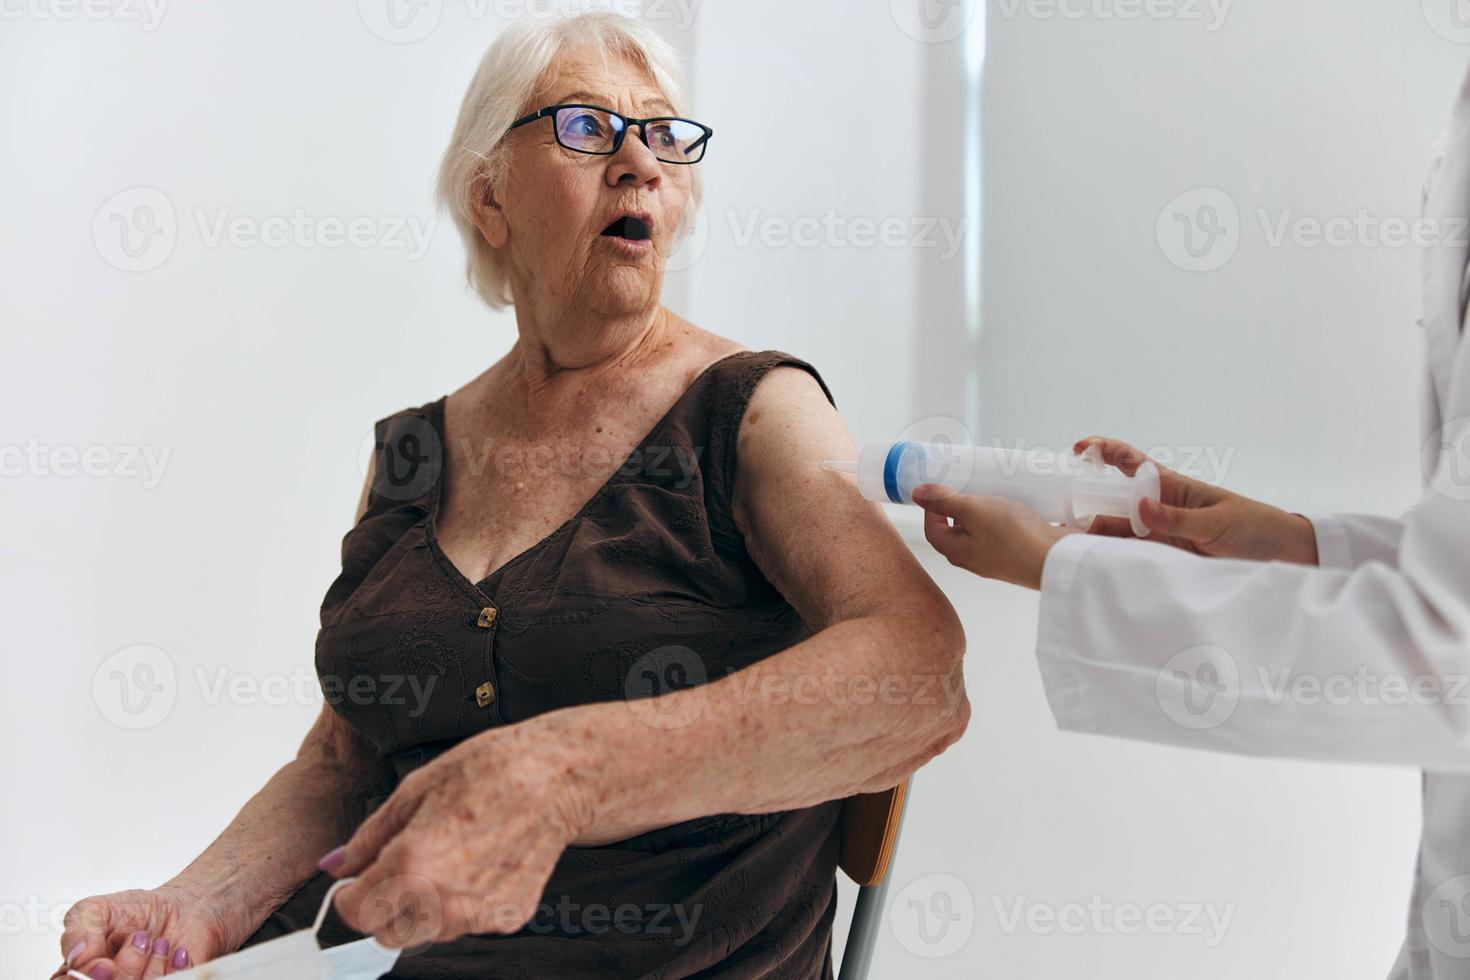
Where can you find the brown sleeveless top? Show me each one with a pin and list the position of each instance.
(648, 586)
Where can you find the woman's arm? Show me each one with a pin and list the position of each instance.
(266, 853)
(222, 897)
(307, 808)
(874, 694)
(272, 846)
(314, 801)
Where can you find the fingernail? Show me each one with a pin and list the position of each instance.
(181, 958)
(333, 858)
(160, 946)
(140, 940)
(76, 951)
(102, 972)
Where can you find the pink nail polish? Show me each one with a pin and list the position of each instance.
(333, 859)
(102, 972)
(181, 958)
(160, 946)
(71, 958)
(140, 940)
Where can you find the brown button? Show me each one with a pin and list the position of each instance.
(487, 617)
(484, 694)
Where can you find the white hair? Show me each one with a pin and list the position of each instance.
(513, 66)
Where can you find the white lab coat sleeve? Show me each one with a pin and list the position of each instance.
(1349, 540)
(1367, 661)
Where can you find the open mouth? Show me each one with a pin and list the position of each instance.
(630, 227)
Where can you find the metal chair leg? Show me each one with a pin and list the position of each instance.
(862, 935)
(867, 919)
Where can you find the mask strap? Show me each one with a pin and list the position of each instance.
(321, 916)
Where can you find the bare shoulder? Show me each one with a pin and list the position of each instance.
(789, 426)
(700, 348)
(790, 409)
(831, 552)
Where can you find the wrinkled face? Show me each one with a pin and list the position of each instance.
(566, 215)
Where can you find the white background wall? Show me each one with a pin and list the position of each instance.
(259, 370)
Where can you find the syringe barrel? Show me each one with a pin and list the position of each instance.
(1063, 488)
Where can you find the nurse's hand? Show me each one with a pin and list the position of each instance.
(465, 843)
(1206, 519)
(991, 536)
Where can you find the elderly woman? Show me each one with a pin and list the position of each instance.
(607, 650)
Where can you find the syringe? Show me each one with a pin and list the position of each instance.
(1064, 488)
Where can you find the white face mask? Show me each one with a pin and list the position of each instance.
(296, 956)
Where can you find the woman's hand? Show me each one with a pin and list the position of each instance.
(466, 843)
(1000, 539)
(141, 934)
(1206, 519)
(991, 536)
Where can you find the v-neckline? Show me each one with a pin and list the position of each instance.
(431, 524)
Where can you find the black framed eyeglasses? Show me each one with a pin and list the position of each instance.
(593, 129)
